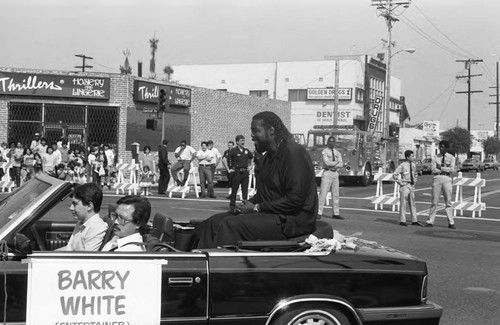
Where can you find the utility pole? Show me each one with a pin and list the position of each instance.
(468, 64)
(387, 9)
(336, 99)
(83, 66)
(497, 103)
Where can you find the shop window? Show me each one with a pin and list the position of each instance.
(259, 93)
(81, 124)
(359, 95)
(297, 95)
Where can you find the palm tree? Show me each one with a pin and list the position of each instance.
(168, 71)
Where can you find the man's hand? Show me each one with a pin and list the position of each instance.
(246, 207)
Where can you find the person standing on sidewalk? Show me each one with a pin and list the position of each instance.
(332, 161)
(205, 157)
(230, 145)
(185, 155)
(239, 160)
(443, 166)
(163, 165)
(406, 176)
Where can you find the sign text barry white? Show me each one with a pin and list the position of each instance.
(32, 84)
(93, 292)
(93, 280)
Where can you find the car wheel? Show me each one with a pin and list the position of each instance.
(312, 316)
(367, 177)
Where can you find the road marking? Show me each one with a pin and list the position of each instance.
(418, 214)
(480, 289)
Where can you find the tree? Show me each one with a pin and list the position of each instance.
(459, 139)
(168, 71)
(491, 146)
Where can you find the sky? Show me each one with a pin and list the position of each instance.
(46, 34)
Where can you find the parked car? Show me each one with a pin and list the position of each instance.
(472, 164)
(490, 163)
(220, 175)
(261, 282)
(426, 166)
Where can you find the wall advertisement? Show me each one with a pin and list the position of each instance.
(431, 128)
(33, 84)
(325, 117)
(329, 93)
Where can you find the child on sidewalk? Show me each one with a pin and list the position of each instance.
(146, 180)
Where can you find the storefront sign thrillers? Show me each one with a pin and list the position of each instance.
(149, 92)
(33, 84)
(329, 93)
(375, 112)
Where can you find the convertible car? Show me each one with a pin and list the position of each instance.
(277, 282)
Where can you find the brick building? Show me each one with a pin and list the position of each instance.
(113, 108)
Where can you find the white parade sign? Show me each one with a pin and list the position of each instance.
(69, 291)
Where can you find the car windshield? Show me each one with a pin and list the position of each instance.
(488, 160)
(427, 160)
(20, 199)
(470, 160)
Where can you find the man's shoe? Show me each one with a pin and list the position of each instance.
(403, 224)
(213, 196)
(161, 193)
(428, 225)
(319, 216)
(452, 227)
(203, 195)
(417, 223)
(233, 211)
(337, 216)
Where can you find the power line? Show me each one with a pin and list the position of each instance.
(444, 35)
(435, 99)
(426, 36)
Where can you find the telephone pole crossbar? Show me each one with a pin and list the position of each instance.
(83, 66)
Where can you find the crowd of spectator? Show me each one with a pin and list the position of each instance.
(76, 164)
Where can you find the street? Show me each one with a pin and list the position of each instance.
(463, 264)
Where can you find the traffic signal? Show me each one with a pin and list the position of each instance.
(151, 124)
(162, 100)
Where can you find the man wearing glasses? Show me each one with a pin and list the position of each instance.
(90, 229)
(131, 218)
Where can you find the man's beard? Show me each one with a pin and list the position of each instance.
(259, 147)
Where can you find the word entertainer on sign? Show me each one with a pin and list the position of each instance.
(380, 199)
(476, 205)
(122, 184)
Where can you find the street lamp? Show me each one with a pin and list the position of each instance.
(409, 50)
(387, 90)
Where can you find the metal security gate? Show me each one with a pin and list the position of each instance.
(80, 124)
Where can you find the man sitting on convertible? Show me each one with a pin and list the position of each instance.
(286, 203)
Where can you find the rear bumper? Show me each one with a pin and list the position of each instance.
(430, 313)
